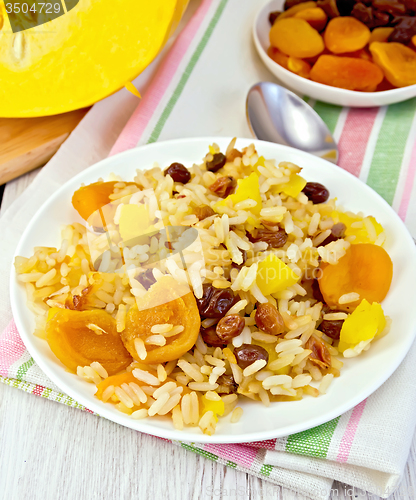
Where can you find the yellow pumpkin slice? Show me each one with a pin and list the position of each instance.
(82, 56)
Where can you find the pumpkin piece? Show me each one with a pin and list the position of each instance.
(414, 41)
(217, 407)
(248, 187)
(315, 16)
(82, 56)
(365, 269)
(116, 380)
(380, 34)
(292, 11)
(273, 275)
(347, 73)
(397, 61)
(294, 186)
(364, 324)
(346, 34)
(77, 338)
(295, 37)
(278, 57)
(166, 302)
(299, 66)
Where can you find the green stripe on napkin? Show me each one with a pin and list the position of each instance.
(313, 442)
(391, 142)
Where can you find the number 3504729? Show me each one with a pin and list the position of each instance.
(36, 7)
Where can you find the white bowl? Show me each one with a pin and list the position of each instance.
(303, 86)
(359, 377)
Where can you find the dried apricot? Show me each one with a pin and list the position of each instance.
(299, 66)
(166, 302)
(77, 338)
(295, 37)
(347, 73)
(292, 11)
(380, 34)
(315, 16)
(88, 200)
(397, 61)
(365, 269)
(346, 34)
(278, 57)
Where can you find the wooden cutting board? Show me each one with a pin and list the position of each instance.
(28, 143)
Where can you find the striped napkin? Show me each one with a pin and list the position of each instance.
(199, 89)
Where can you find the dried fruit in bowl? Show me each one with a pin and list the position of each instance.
(295, 9)
(380, 34)
(364, 272)
(346, 34)
(78, 338)
(315, 16)
(295, 37)
(347, 73)
(166, 303)
(397, 61)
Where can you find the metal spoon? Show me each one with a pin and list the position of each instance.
(275, 114)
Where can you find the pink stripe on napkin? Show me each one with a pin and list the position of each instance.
(349, 434)
(408, 187)
(354, 138)
(138, 122)
(237, 453)
(11, 348)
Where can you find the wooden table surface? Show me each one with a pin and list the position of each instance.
(50, 451)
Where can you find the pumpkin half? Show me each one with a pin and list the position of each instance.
(82, 56)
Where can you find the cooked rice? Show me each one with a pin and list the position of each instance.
(88, 267)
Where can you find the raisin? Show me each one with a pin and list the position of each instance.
(273, 16)
(217, 162)
(316, 193)
(146, 279)
(337, 232)
(178, 172)
(210, 337)
(404, 30)
(275, 239)
(247, 354)
(329, 7)
(239, 266)
(203, 212)
(226, 385)
(345, 6)
(223, 186)
(320, 354)
(269, 319)
(215, 302)
(331, 328)
(229, 327)
(316, 291)
(391, 7)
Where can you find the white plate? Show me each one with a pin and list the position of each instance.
(360, 376)
(342, 97)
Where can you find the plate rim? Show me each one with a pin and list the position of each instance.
(172, 433)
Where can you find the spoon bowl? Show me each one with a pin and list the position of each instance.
(276, 114)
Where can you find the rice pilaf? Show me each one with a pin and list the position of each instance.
(237, 216)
